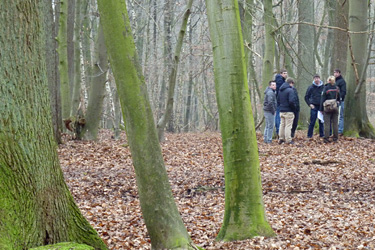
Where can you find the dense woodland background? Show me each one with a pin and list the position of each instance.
(306, 37)
(170, 54)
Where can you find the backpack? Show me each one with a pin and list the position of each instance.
(330, 106)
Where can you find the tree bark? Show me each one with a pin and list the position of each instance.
(244, 215)
(339, 57)
(36, 206)
(356, 119)
(96, 92)
(306, 64)
(63, 60)
(77, 106)
(269, 45)
(51, 58)
(159, 210)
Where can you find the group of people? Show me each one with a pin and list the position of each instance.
(281, 107)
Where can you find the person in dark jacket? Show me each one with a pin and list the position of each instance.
(279, 79)
(296, 113)
(286, 102)
(340, 82)
(330, 91)
(312, 98)
(269, 108)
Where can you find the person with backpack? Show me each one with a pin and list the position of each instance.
(312, 99)
(329, 102)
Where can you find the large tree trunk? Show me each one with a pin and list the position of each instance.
(306, 64)
(36, 206)
(159, 210)
(356, 119)
(244, 211)
(173, 75)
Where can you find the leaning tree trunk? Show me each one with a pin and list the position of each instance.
(356, 119)
(173, 75)
(244, 210)
(36, 206)
(306, 64)
(159, 210)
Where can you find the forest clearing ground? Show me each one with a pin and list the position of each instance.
(317, 196)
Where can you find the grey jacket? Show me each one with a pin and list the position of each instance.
(270, 102)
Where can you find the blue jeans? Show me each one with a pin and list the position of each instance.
(277, 120)
(270, 123)
(341, 118)
(313, 117)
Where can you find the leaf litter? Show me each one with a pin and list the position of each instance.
(316, 195)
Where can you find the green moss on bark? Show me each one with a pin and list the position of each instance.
(64, 246)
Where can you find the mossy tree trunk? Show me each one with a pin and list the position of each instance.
(356, 119)
(244, 215)
(36, 207)
(159, 210)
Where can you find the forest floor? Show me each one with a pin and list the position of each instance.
(316, 195)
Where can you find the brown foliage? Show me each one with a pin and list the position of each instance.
(317, 196)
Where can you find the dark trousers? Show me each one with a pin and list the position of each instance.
(295, 123)
(331, 119)
(313, 117)
(277, 120)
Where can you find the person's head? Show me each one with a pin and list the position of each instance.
(284, 73)
(331, 80)
(337, 72)
(272, 85)
(317, 79)
(290, 81)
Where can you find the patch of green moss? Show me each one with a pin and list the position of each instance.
(64, 246)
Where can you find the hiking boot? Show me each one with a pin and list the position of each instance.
(291, 143)
(281, 141)
(326, 140)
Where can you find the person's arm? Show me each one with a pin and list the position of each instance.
(343, 90)
(322, 99)
(307, 96)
